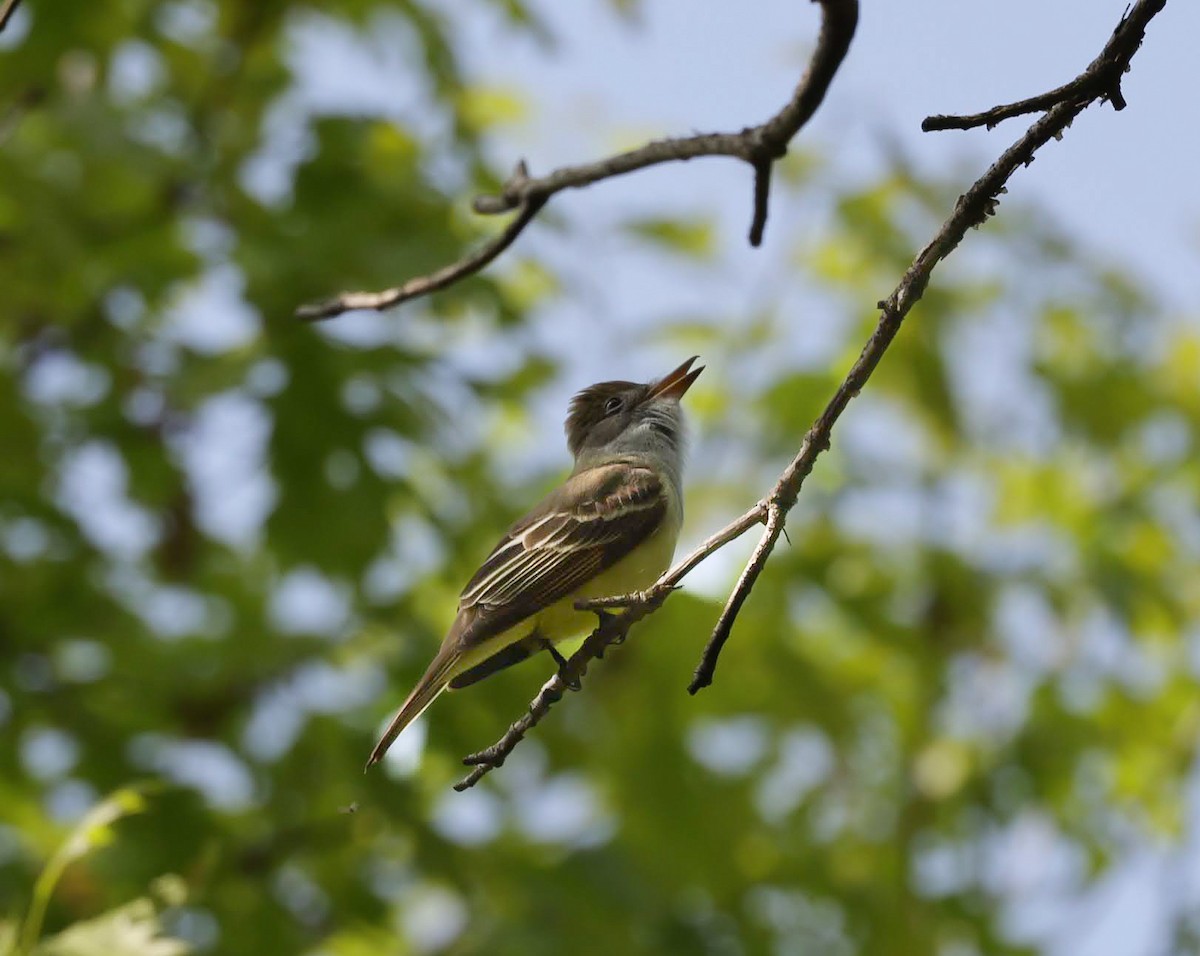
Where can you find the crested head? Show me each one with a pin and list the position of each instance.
(601, 412)
(614, 419)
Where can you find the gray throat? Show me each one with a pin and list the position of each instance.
(655, 438)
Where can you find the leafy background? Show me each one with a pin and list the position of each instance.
(956, 709)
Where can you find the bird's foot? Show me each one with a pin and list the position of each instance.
(573, 683)
(652, 595)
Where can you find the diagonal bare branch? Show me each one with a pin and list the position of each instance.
(759, 146)
(7, 9)
(424, 285)
(737, 597)
(972, 209)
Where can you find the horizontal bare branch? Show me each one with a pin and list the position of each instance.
(760, 146)
(990, 118)
(1102, 78)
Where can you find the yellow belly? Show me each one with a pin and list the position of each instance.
(635, 572)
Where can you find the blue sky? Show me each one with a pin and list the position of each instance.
(1126, 182)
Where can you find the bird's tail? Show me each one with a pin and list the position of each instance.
(436, 679)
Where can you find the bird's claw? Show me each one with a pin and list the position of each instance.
(571, 683)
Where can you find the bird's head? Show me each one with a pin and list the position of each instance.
(615, 418)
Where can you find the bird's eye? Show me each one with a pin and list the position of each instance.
(613, 405)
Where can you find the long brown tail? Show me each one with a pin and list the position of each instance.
(436, 679)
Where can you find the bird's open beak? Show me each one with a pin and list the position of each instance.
(675, 383)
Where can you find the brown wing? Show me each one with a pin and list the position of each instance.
(591, 522)
(584, 527)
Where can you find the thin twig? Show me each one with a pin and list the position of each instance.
(447, 275)
(971, 209)
(612, 630)
(760, 146)
(762, 200)
(1101, 78)
(1077, 88)
(724, 627)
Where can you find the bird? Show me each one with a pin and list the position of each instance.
(609, 529)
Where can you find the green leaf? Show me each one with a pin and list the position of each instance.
(130, 930)
(93, 831)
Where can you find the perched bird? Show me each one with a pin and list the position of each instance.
(609, 529)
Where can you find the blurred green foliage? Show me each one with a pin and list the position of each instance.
(229, 543)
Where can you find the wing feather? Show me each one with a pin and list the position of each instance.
(591, 522)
